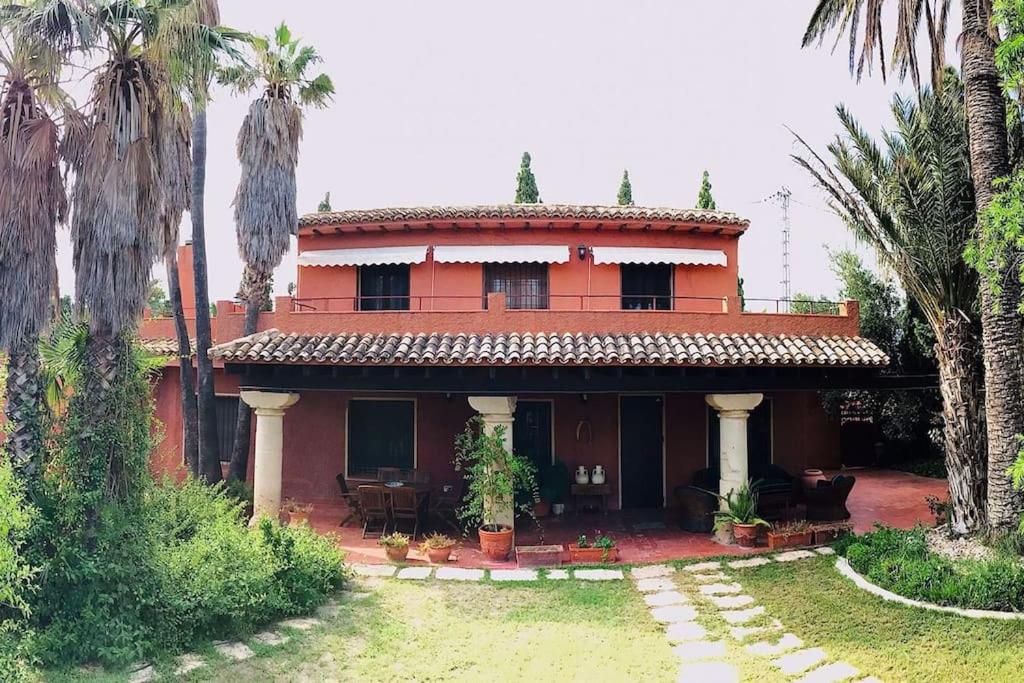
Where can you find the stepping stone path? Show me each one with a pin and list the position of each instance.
(598, 574)
(374, 569)
(558, 574)
(143, 675)
(187, 664)
(512, 574)
(300, 624)
(414, 573)
(452, 574)
(236, 651)
(270, 638)
(712, 592)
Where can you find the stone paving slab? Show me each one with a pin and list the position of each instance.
(731, 601)
(752, 562)
(458, 574)
(239, 652)
(665, 598)
(718, 588)
(143, 675)
(359, 595)
(683, 631)
(655, 585)
(743, 632)
(765, 649)
(512, 574)
(598, 574)
(674, 614)
(187, 663)
(830, 673)
(557, 574)
(708, 672)
(414, 573)
(715, 577)
(742, 616)
(797, 662)
(652, 571)
(825, 550)
(702, 567)
(300, 624)
(270, 638)
(793, 555)
(374, 569)
(328, 611)
(700, 649)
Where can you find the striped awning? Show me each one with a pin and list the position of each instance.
(502, 253)
(692, 257)
(372, 256)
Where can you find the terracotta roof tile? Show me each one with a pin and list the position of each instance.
(514, 348)
(521, 212)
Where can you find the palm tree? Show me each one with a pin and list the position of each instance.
(36, 38)
(912, 199)
(1002, 337)
(268, 150)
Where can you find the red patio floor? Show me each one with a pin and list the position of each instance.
(886, 496)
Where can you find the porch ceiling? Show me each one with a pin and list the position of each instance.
(526, 349)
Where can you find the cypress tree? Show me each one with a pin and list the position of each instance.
(526, 184)
(704, 200)
(625, 191)
(325, 204)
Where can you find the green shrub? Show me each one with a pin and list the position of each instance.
(900, 561)
(15, 577)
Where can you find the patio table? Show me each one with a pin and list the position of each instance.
(599, 491)
(422, 494)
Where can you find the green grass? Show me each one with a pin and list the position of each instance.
(887, 640)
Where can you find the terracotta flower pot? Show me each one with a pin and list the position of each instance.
(811, 477)
(396, 553)
(578, 555)
(777, 541)
(297, 518)
(496, 545)
(439, 555)
(745, 534)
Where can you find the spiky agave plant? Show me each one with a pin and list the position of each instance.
(268, 151)
(36, 37)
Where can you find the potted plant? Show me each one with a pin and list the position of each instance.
(437, 547)
(739, 512)
(298, 513)
(553, 488)
(790, 535)
(830, 531)
(494, 476)
(602, 549)
(396, 546)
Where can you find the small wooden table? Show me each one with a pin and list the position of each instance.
(599, 491)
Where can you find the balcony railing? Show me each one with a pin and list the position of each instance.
(560, 302)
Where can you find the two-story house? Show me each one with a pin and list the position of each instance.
(601, 335)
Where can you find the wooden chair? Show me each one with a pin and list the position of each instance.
(420, 477)
(351, 501)
(445, 502)
(374, 506)
(405, 506)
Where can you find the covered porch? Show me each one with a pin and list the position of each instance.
(646, 536)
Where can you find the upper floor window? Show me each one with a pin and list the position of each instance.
(384, 288)
(646, 286)
(525, 284)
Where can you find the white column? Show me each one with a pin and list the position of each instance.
(733, 411)
(269, 408)
(498, 411)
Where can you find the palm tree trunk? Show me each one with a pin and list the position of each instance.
(209, 454)
(1002, 338)
(189, 410)
(24, 410)
(239, 466)
(960, 383)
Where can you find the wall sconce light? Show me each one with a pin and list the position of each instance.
(584, 398)
(581, 251)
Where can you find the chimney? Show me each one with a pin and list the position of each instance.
(187, 280)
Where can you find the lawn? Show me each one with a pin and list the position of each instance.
(892, 642)
(584, 631)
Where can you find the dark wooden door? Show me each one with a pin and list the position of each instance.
(641, 437)
(531, 432)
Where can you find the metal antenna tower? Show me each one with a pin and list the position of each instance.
(782, 198)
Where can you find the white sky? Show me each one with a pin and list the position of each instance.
(437, 101)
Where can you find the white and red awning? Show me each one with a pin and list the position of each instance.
(502, 253)
(689, 257)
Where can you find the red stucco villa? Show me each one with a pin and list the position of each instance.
(603, 335)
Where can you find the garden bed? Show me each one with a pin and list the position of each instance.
(902, 563)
